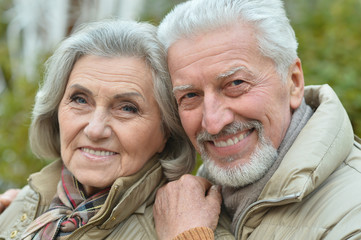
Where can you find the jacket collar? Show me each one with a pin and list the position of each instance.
(127, 195)
(131, 194)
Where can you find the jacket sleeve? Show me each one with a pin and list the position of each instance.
(198, 233)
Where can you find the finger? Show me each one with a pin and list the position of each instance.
(214, 194)
(204, 183)
(2, 207)
(7, 197)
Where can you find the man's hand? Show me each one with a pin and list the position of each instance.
(7, 197)
(184, 204)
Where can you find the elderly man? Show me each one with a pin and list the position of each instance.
(285, 155)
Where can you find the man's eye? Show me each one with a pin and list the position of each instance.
(237, 82)
(190, 95)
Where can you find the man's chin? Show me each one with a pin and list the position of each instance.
(230, 176)
(237, 172)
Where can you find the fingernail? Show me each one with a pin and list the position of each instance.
(216, 188)
(5, 197)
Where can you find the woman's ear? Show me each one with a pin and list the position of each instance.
(297, 84)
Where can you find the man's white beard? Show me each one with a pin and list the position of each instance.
(260, 161)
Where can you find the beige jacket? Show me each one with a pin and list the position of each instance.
(316, 191)
(126, 214)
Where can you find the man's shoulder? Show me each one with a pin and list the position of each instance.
(353, 161)
(357, 142)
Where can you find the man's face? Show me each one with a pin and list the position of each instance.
(230, 97)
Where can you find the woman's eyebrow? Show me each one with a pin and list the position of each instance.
(116, 96)
(129, 95)
(82, 88)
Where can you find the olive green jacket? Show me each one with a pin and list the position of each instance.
(316, 191)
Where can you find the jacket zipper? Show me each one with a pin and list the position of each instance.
(260, 204)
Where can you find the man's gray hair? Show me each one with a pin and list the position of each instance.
(110, 38)
(275, 36)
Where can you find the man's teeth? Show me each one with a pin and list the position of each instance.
(231, 141)
(98, 153)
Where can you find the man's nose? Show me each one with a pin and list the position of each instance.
(216, 114)
(98, 127)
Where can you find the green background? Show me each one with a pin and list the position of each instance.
(329, 35)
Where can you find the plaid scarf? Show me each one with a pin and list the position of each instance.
(69, 210)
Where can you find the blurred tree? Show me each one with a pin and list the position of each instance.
(16, 98)
(16, 159)
(4, 59)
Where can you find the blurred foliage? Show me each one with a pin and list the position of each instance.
(328, 31)
(16, 159)
(329, 35)
(4, 55)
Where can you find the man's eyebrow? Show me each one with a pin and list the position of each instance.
(220, 76)
(233, 71)
(182, 88)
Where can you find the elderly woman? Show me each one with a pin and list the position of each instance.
(106, 112)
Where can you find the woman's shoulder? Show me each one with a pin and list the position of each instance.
(19, 214)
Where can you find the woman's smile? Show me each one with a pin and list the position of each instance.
(97, 152)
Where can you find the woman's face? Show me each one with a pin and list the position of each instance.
(110, 123)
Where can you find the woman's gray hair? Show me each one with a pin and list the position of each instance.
(276, 38)
(110, 38)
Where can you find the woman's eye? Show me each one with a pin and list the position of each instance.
(131, 109)
(236, 82)
(78, 99)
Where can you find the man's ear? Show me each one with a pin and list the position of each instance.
(297, 84)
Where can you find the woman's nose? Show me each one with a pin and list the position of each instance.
(98, 127)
